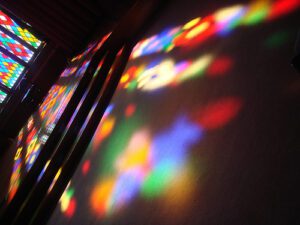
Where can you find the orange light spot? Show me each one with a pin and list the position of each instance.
(100, 197)
(103, 131)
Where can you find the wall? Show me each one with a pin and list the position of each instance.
(202, 129)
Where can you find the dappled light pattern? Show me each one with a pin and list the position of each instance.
(147, 163)
(141, 165)
(221, 23)
(222, 20)
(181, 93)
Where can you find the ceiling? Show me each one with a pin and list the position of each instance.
(69, 23)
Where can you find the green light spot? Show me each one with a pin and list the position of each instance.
(256, 17)
(132, 86)
(277, 39)
(117, 143)
(158, 180)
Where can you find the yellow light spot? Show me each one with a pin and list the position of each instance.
(17, 156)
(137, 152)
(191, 23)
(124, 78)
(227, 13)
(55, 179)
(197, 67)
(134, 158)
(198, 30)
(65, 200)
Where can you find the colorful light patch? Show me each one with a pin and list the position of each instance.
(68, 203)
(2, 96)
(69, 72)
(10, 70)
(165, 73)
(168, 72)
(15, 47)
(13, 27)
(155, 157)
(142, 163)
(138, 162)
(221, 22)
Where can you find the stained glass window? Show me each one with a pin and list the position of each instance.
(18, 48)
(39, 127)
(10, 70)
(9, 24)
(15, 47)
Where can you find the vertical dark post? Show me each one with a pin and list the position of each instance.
(29, 181)
(50, 202)
(64, 147)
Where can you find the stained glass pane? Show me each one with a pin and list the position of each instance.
(39, 127)
(15, 47)
(12, 26)
(2, 96)
(10, 70)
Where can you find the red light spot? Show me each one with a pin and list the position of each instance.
(86, 167)
(282, 7)
(12, 193)
(220, 67)
(130, 109)
(31, 135)
(71, 208)
(218, 114)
